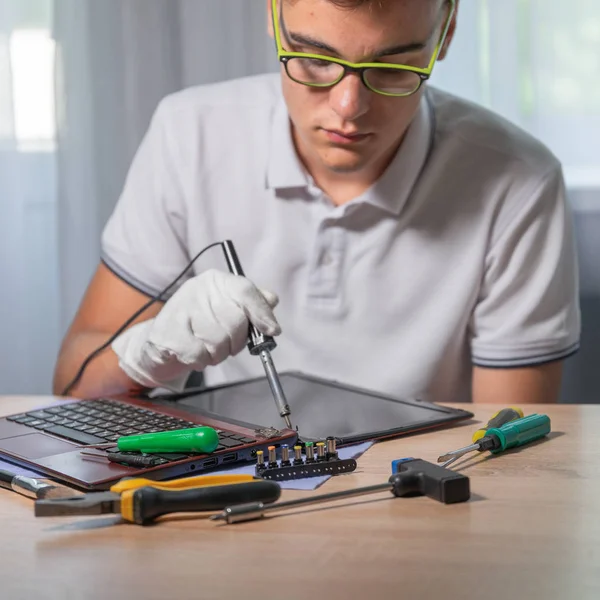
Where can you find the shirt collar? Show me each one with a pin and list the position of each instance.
(390, 192)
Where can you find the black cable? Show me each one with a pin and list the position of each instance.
(133, 317)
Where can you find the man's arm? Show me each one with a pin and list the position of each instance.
(107, 304)
(527, 385)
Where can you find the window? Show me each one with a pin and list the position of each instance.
(536, 62)
(32, 67)
(28, 207)
(27, 54)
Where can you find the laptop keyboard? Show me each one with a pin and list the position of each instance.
(100, 421)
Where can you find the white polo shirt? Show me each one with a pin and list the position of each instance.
(461, 254)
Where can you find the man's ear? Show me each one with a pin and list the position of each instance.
(270, 19)
(450, 35)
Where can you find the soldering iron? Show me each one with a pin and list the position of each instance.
(259, 344)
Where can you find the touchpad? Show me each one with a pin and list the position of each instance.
(35, 445)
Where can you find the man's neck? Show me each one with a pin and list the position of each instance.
(341, 187)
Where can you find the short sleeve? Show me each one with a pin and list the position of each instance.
(528, 309)
(144, 240)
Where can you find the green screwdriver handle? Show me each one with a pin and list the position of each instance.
(520, 432)
(197, 440)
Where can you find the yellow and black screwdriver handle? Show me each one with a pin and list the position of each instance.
(144, 505)
(506, 415)
(143, 500)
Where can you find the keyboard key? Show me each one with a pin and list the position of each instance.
(129, 431)
(69, 416)
(229, 443)
(86, 428)
(39, 414)
(74, 435)
(246, 440)
(105, 434)
(21, 419)
(241, 438)
(53, 419)
(44, 426)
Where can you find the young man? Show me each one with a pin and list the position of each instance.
(399, 238)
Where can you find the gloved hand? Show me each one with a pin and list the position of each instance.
(202, 324)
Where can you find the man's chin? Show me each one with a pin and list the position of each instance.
(343, 169)
(344, 164)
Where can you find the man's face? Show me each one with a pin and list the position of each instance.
(347, 128)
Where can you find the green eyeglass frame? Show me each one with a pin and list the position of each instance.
(360, 68)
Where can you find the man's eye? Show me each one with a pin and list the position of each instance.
(319, 63)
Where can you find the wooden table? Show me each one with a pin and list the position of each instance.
(531, 530)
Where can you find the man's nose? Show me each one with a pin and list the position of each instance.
(350, 98)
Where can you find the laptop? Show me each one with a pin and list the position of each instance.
(47, 440)
(243, 413)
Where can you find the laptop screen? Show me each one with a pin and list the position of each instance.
(319, 409)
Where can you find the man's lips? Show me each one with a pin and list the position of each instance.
(345, 137)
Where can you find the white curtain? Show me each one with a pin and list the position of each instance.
(535, 61)
(28, 256)
(117, 59)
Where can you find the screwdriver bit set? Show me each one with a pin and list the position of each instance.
(325, 461)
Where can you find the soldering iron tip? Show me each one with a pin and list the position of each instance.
(288, 422)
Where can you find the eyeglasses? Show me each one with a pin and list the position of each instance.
(316, 70)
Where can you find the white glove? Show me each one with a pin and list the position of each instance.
(202, 324)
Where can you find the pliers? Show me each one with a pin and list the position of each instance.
(141, 501)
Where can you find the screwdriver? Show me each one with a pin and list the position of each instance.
(510, 435)
(498, 419)
(414, 477)
(196, 440)
(259, 344)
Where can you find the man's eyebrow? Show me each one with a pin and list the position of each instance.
(306, 40)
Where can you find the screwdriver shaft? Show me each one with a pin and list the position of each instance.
(456, 454)
(449, 462)
(248, 512)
